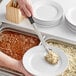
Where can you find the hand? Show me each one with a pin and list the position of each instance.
(25, 7)
(11, 63)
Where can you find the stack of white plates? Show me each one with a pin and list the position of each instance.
(71, 18)
(47, 13)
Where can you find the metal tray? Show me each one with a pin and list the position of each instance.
(8, 59)
(70, 50)
(5, 26)
(9, 72)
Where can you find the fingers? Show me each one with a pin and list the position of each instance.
(22, 12)
(29, 8)
(25, 8)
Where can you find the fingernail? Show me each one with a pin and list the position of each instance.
(29, 15)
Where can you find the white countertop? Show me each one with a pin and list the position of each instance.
(60, 31)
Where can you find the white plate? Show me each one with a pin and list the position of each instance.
(72, 29)
(34, 62)
(47, 13)
(71, 17)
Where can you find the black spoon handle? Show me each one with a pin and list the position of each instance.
(31, 20)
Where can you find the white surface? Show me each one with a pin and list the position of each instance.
(47, 13)
(59, 31)
(34, 62)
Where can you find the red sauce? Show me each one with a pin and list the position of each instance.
(15, 44)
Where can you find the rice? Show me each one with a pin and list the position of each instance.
(51, 57)
(70, 51)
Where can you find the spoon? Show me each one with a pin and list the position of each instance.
(50, 57)
(38, 33)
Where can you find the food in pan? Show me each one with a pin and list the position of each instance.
(70, 51)
(51, 57)
(16, 44)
